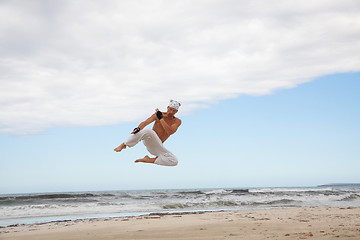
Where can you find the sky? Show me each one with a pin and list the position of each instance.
(269, 93)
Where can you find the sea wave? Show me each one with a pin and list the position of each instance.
(240, 191)
(13, 200)
(191, 192)
(214, 192)
(177, 206)
(351, 197)
(290, 190)
(51, 196)
(225, 204)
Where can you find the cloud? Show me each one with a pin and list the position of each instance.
(90, 63)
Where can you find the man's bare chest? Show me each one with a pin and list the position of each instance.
(169, 121)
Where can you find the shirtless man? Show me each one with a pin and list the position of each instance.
(165, 125)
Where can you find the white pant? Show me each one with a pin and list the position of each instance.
(154, 146)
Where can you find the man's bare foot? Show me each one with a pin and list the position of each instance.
(146, 159)
(119, 148)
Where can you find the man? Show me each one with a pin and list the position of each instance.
(165, 125)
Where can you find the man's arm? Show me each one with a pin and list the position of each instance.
(170, 129)
(146, 122)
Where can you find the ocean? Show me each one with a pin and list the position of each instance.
(17, 209)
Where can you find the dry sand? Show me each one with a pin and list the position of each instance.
(282, 223)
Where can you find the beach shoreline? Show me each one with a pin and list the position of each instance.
(276, 223)
(46, 207)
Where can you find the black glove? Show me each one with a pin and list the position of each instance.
(136, 130)
(159, 115)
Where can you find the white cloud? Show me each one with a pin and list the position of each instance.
(89, 63)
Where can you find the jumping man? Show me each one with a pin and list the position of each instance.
(165, 125)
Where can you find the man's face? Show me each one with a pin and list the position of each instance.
(171, 111)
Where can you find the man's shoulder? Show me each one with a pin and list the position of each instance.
(178, 120)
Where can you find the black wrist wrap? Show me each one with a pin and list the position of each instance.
(159, 115)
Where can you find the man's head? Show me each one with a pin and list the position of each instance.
(174, 104)
(173, 107)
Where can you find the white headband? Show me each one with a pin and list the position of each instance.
(174, 104)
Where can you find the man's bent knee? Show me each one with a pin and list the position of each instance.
(147, 133)
(166, 161)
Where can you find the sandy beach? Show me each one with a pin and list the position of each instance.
(282, 223)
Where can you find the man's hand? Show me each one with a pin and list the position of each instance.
(159, 114)
(136, 130)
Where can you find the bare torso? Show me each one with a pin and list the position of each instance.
(159, 129)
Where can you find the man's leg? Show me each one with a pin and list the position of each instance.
(153, 145)
(166, 158)
(130, 142)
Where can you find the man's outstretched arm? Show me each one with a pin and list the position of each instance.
(143, 124)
